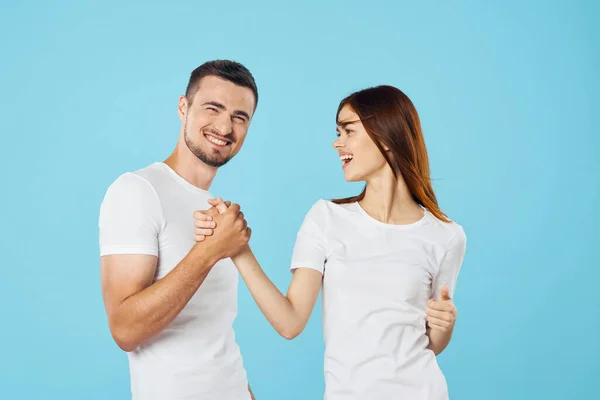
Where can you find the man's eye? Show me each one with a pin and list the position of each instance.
(240, 119)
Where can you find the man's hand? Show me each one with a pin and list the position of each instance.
(441, 313)
(204, 219)
(231, 233)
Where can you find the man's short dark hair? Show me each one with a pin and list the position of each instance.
(225, 69)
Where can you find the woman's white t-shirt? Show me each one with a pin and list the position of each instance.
(377, 279)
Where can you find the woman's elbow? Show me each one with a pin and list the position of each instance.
(289, 335)
(290, 332)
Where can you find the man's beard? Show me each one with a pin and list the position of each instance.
(213, 160)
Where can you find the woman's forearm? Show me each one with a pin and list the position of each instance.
(439, 340)
(276, 307)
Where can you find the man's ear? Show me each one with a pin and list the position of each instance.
(182, 107)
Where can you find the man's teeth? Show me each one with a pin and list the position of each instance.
(216, 141)
(346, 157)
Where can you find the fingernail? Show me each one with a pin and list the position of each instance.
(213, 225)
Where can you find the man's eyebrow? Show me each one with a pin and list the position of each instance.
(215, 104)
(223, 108)
(241, 113)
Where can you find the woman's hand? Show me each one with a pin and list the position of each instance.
(441, 313)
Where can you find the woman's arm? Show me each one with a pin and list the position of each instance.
(441, 311)
(287, 314)
(441, 317)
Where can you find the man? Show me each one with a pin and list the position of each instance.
(170, 296)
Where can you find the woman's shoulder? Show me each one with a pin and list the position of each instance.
(323, 211)
(325, 206)
(448, 231)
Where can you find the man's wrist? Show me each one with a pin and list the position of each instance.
(204, 255)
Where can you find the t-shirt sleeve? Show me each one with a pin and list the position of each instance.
(130, 217)
(451, 264)
(309, 250)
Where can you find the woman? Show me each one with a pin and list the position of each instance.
(387, 261)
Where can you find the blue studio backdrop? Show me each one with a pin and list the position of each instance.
(506, 93)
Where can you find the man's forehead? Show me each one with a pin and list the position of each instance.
(213, 85)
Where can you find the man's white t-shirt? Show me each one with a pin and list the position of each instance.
(377, 279)
(150, 211)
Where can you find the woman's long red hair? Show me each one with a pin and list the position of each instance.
(391, 120)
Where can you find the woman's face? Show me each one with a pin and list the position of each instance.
(360, 156)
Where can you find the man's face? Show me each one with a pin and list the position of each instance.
(216, 123)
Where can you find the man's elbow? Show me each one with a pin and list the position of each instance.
(124, 338)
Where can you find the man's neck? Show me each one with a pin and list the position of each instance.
(190, 168)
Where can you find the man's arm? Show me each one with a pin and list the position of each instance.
(137, 309)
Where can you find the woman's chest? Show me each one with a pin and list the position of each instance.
(393, 266)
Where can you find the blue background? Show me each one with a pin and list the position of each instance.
(506, 93)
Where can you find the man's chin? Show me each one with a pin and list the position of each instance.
(214, 161)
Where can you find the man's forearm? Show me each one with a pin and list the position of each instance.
(438, 340)
(146, 313)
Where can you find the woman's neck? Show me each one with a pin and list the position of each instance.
(388, 200)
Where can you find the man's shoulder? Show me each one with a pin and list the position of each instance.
(137, 183)
(152, 173)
